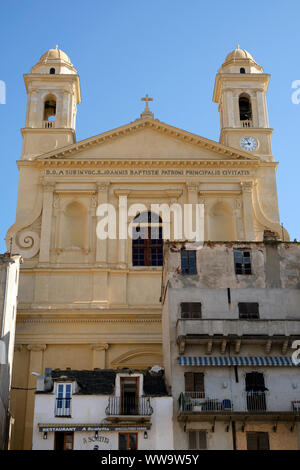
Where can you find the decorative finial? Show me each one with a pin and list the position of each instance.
(56, 47)
(147, 113)
(238, 46)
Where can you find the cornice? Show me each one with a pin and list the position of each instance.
(155, 125)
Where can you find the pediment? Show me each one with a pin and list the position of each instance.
(147, 139)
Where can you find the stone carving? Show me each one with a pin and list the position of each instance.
(28, 244)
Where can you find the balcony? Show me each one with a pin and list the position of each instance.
(247, 123)
(48, 124)
(63, 407)
(129, 407)
(195, 406)
(197, 331)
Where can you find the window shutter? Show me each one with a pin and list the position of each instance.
(189, 381)
(202, 440)
(199, 382)
(192, 440)
(263, 441)
(252, 441)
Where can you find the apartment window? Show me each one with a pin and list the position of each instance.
(258, 441)
(242, 262)
(194, 382)
(190, 309)
(197, 440)
(63, 440)
(248, 310)
(128, 441)
(188, 262)
(63, 399)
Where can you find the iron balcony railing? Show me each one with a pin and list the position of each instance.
(256, 401)
(198, 402)
(63, 407)
(139, 406)
(250, 402)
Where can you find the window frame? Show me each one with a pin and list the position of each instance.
(128, 434)
(188, 265)
(243, 268)
(190, 313)
(147, 249)
(248, 315)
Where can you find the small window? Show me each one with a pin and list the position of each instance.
(258, 441)
(190, 309)
(242, 262)
(248, 310)
(194, 382)
(242, 70)
(197, 440)
(52, 71)
(188, 262)
(63, 399)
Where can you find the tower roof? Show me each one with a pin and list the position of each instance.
(56, 58)
(238, 54)
(240, 58)
(55, 55)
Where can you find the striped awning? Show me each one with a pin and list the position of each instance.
(219, 361)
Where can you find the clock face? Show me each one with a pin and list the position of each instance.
(248, 143)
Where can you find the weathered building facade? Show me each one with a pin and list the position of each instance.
(102, 410)
(9, 281)
(86, 302)
(230, 327)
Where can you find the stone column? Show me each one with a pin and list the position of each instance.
(46, 221)
(99, 355)
(122, 259)
(261, 109)
(35, 365)
(101, 245)
(230, 109)
(249, 232)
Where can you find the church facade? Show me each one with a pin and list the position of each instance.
(86, 302)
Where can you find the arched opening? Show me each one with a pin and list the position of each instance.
(50, 108)
(147, 240)
(242, 70)
(52, 71)
(221, 224)
(245, 108)
(74, 227)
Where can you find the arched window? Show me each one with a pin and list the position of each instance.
(245, 108)
(50, 109)
(242, 70)
(74, 227)
(52, 71)
(147, 242)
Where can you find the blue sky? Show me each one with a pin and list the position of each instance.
(170, 49)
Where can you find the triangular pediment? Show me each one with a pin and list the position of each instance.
(148, 138)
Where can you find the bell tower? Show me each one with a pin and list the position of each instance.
(53, 92)
(240, 90)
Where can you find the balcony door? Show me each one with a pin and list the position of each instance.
(129, 395)
(255, 391)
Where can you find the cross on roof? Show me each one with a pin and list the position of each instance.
(147, 99)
